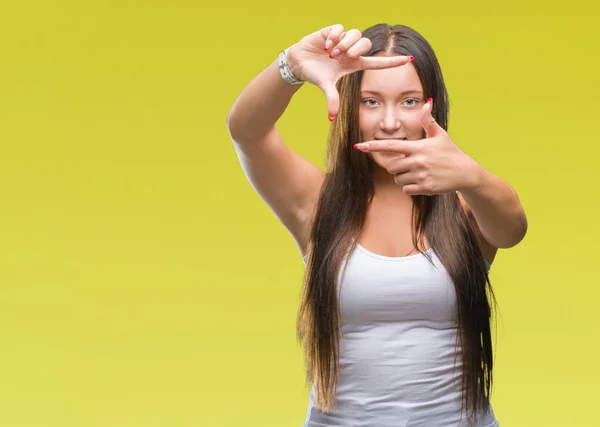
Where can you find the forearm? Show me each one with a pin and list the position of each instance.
(260, 105)
(496, 207)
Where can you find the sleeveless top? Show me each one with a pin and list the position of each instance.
(400, 363)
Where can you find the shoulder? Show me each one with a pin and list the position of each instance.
(489, 250)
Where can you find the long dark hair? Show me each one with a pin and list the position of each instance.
(338, 222)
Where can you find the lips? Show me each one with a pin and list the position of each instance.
(398, 139)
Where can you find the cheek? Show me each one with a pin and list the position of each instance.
(366, 123)
(412, 124)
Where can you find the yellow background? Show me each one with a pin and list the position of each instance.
(144, 283)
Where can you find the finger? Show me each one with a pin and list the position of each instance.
(407, 178)
(400, 166)
(381, 62)
(414, 190)
(390, 145)
(341, 59)
(331, 35)
(351, 37)
(410, 183)
(359, 48)
(432, 128)
(325, 32)
(333, 99)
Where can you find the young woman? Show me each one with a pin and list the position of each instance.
(398, 235)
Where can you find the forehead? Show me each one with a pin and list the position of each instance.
(391, 80)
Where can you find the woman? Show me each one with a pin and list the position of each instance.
(398, 235)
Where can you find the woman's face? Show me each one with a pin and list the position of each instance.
(390, 104)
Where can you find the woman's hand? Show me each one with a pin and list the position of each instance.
(309, 61)
(434, 165)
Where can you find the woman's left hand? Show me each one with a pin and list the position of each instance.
(434, 165)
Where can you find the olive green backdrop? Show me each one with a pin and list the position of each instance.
(144, 283)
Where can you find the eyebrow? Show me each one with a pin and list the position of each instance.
(406, 92)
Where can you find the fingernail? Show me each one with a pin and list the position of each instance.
(356, 146)
(410, 58)
(331, 118)
(430, 100)
(327, 44)
(335, 53)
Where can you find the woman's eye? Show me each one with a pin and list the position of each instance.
(413, 102)
(366, 101)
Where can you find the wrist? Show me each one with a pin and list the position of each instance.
(473, 178)
(292, 64)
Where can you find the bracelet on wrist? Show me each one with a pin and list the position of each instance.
(285, 71)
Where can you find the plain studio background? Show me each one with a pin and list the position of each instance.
(144, 283)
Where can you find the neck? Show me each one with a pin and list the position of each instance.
(385, 187)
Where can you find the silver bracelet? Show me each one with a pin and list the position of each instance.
(285, 71)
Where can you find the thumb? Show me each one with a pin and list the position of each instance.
(333, 99)
(427, 121)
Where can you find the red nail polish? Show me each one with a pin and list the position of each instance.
(411, 58)
(330, 56)
(325, 48)
(430, 100)
(356, 146)
(331, 118)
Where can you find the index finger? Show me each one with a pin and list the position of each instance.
(381, 62)
(389, 145)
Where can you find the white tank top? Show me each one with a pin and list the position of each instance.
(399, 364)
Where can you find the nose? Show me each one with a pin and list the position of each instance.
(390, 121)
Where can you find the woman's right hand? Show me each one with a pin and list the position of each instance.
(309, 61)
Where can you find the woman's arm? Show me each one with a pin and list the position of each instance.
(496, 208)
(259, 106)
(286, 182)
